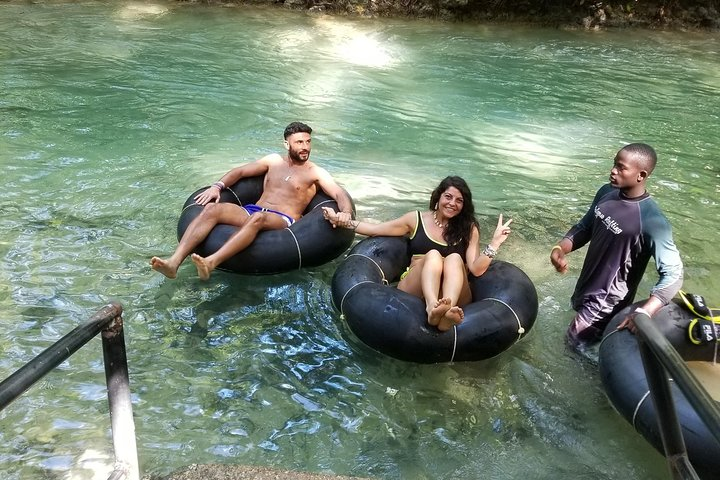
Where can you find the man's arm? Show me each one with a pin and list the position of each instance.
(667, 260)
(579, 235)
(668, 264)
(329, 186)
(253, 169)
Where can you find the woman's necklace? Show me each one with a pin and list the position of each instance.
(436, 220)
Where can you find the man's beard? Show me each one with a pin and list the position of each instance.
(295, 156)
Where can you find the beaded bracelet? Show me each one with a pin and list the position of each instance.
(220, 185)
(489, 251)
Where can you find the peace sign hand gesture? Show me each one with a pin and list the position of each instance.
(502, 231)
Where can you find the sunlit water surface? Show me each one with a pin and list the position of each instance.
(112, 113)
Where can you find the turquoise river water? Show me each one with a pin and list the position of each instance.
(111, 113)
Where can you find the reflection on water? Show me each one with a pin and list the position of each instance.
(113, 112)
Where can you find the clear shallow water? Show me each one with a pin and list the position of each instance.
(112, 113)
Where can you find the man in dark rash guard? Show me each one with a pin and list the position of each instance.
(625, 227)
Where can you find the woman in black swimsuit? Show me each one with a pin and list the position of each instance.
(445, 245)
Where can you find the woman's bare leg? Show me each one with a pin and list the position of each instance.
(426, 280)
(436, 303)
(455, 288)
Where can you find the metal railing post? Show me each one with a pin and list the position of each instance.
(670, 430)
(17, 383)
(107, 321)
(118, 385)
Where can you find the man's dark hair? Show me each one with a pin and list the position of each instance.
(460, 226)
(645, 155)
(296, 127)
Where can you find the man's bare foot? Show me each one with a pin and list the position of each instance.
(436, 313)
(202, 265)
(454, 316)
(164, 267)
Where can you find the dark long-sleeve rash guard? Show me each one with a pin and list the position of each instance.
(623, 234)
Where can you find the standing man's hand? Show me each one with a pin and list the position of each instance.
(629, 323)
(649, 308)
(557, 256)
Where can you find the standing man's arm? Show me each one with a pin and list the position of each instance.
(669, 267)
(329, 186)
(578, 235)
(659, 297)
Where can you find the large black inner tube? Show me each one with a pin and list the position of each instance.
(309, 242)
(393, 322)
(623, 377)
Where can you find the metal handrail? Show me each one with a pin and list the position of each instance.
(659, 359)
(107, 321)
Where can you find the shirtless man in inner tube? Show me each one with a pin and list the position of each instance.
(291, 181)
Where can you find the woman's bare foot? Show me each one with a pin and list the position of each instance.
(452, 317)
(436, 313)
(203, 267)
(164, 267)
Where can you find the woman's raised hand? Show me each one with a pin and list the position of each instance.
(502, 231)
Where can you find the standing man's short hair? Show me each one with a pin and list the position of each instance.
(297, 127)
(644, 153)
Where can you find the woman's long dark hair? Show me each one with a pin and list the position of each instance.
(460, 226)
